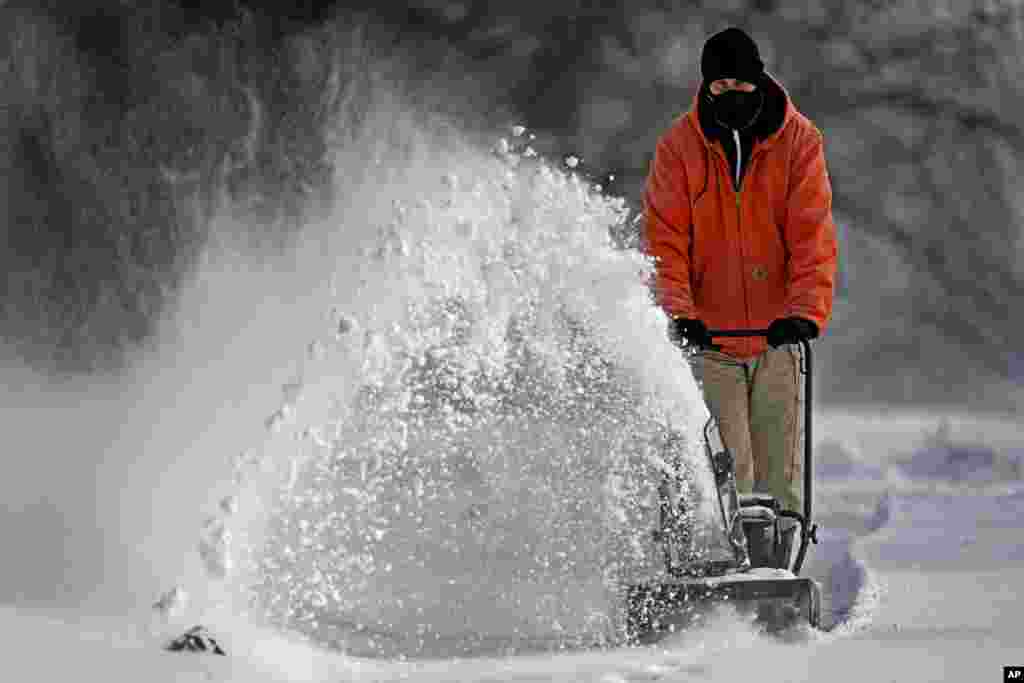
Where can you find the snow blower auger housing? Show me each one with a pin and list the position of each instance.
(763, 578)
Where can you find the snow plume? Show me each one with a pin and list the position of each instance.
(464, 460)
(428, 419)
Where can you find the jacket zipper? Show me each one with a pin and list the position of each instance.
(746, 301)
(739, 193)
(739, 230)
(739, 161)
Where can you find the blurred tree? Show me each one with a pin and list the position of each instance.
(918, 102)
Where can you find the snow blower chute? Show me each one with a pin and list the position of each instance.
(762, 576)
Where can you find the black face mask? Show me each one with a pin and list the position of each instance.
(736, 109)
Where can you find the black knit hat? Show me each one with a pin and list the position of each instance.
(731, 54)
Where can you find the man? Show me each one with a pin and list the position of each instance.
(738, 219)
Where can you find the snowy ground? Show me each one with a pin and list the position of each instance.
(937, 598)
(441, 413)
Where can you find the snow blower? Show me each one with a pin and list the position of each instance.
(762, 578)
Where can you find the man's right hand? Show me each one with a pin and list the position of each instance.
(689, 332)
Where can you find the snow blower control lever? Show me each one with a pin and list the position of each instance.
(808, 530)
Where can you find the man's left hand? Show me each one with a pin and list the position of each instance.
(790, 331)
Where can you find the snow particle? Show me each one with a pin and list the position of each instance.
(345, 325)
(572, 161)
(214, 550)
(518, 130)
(273, 423)
(172, 602)
(291, 392)
(276, 420)
(315, 351)
(229, 505)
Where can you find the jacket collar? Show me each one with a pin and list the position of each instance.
(778, 112)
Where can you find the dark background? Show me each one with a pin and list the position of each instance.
(126, 126)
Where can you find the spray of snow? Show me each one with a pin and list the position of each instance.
(465, 459)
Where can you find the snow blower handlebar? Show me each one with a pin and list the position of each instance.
(808, 530)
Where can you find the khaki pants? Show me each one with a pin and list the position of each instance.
(756, 404)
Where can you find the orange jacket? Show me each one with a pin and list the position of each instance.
(740, 260)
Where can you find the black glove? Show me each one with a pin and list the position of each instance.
(790, 331)
(690, 332)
